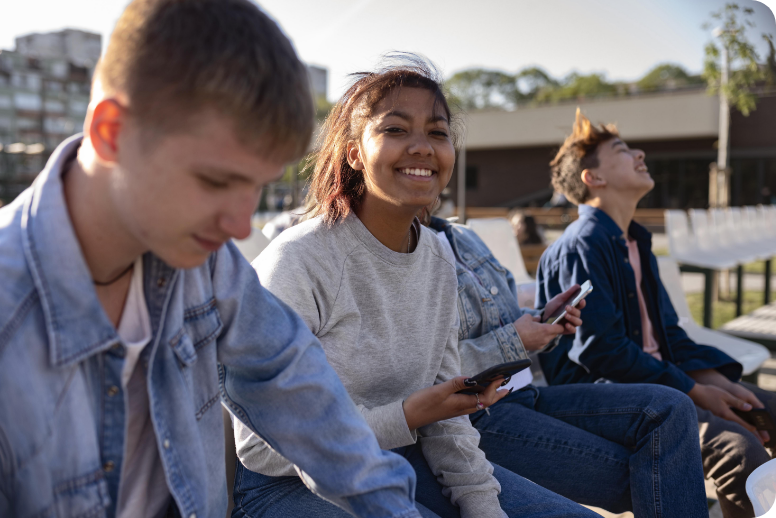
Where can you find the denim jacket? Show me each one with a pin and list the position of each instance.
(608, 345)
(487, 302)
(217, 336)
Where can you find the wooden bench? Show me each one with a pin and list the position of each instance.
(758, 326)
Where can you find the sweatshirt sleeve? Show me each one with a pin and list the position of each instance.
(451, 448)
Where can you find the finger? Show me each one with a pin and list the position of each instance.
(566, 294)
(735, 402)
(488, 397)
(570, 329)
(554, 329)
(456, 384)
(536, 318)
(574, 312)
(765, 436)
(574, 321)
(582, 304)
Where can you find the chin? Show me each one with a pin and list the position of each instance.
(184, 260)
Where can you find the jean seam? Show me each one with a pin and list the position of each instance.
(585, 452)
(609, 411)
(656, 471)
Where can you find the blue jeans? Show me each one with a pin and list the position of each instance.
(614, 446)
(258, 495)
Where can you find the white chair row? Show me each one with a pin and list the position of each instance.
(721, 239)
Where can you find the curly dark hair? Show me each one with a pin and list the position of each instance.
(336, 189)
(579, 152)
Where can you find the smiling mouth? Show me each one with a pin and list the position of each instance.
(412, 171)
(642, 170)
(207, 244)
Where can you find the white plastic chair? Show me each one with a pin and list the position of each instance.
(711, 239)
(749, 354)
(683, 245)
(253, 245)
(761, 490)
(498, 236)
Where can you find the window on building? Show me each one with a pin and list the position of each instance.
(472, 177)
(5, 101)
(24, 123)
(25, 101)
(59, 69)
(54, 106)
(54, 86)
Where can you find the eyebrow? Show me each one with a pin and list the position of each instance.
(408, 118)
(618, 142)
(224, 174)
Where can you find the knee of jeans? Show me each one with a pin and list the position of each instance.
(745, 450)
(671, 403)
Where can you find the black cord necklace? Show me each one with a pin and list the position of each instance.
(119, 276)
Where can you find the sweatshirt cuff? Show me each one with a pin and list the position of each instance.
(480, 504)
(511, 345)
(389, 424)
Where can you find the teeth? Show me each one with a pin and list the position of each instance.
(416, 172)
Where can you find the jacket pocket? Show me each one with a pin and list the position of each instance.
(195, 347)
(86, 496)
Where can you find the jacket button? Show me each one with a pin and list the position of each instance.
(493, 290)
(166, 444)
(193, 515)
(161, 282)
(636, 332)
(108, 466)
(631, 295)
(626, 260)
(113, 390)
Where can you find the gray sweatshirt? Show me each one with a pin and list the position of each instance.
(389, 325)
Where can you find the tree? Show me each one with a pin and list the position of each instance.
(578, 86)
(479, 88)
(742, 59)
(667, 76)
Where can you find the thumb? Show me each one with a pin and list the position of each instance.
(536, 318)
(456, 384)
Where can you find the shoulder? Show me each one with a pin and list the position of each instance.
(583, 238)
(431, 241)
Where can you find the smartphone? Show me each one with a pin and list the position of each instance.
(576, 297)
(503, 370)
(760, 418)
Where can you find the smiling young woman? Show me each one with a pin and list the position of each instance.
(379, 291)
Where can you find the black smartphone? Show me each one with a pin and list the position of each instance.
(503, 370)
(760, 418)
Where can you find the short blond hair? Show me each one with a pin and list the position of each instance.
(174, 59)
(579, 152)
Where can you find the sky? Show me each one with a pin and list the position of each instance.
(620, 38)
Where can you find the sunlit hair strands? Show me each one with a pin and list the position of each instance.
(335, 188)
(578, 153)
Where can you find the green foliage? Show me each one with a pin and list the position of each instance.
(577, 86)
(667, 76)
(479, 88)
(745, 70)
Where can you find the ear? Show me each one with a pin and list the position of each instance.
(591, 179)
(104, 126)
(354, 156)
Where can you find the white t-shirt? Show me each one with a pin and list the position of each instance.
(143, 488)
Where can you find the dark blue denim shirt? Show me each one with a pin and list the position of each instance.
(608, 345)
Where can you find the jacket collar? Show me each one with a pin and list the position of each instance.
(636, 231)
(76, 323)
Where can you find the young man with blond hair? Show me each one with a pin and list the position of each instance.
(126, 314)
(631, 332)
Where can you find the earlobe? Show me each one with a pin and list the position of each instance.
(354, 156)
(105, 124)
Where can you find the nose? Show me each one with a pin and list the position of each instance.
(639, 154)
(420, 145)
(235, 220)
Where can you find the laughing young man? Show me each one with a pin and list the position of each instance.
(630, 332)
(127, 316)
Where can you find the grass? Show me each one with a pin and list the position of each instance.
(724, 310)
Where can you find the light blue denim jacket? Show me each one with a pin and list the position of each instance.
(217, 336)
(487, 302)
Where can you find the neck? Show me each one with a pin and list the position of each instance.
(388, 223)
(619, 208)
(107, 246)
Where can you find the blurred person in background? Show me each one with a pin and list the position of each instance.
(126, 314)
(526, 230)
(631, 333)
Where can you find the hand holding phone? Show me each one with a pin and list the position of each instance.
(487, 376)
(577, 296)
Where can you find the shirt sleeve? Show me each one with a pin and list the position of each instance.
(276, 380)
(451, 448)
(601, 345)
